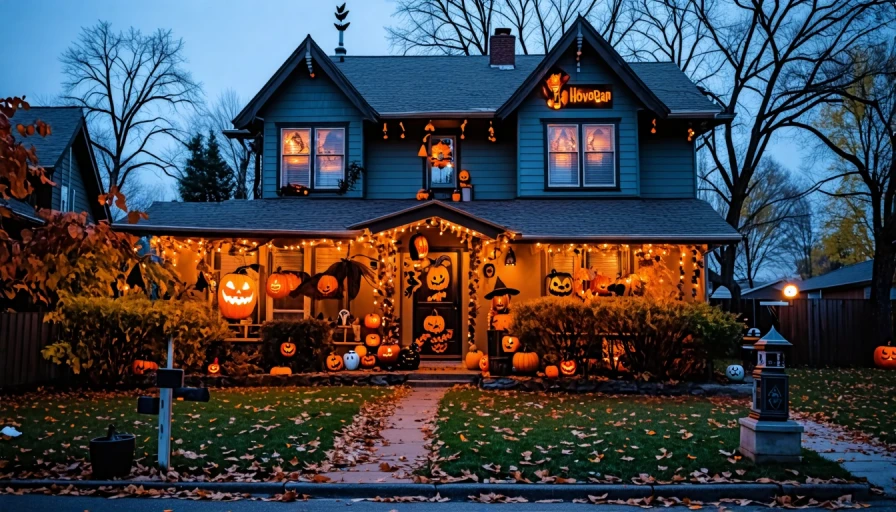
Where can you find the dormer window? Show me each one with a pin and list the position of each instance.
(312, 157)
(581, 155)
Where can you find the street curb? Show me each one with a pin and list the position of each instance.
(461, 491)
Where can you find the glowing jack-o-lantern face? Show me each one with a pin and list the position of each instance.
(568, 367)
(559, 283)
(334, 363)
(288, 349)
(372, 340)
(501, 303)
(483, 363)
(510, 343)
(372, 321)
(214, 368)
(434, 323)
(438, 277)
(419, 247)
(327, 285)
(387, 354)
(464, 176)
(236, 296)
(885, 357)
(368, 361)
(277, 286)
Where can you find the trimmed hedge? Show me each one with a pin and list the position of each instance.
(310, 336)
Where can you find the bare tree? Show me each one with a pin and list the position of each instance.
(132, 86)
(802, 238)
(776, 58)
(238, 153)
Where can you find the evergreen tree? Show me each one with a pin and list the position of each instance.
(220, 176)
(206, 177)
(191, 185)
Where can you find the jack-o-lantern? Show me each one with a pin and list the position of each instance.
(288, 348)
(293, 281)
(483, 363)
(455, 196)
(525, 362)
(334, 363)
(372, 321)
(387, 354)
(361, 350)
(372, 340)
(568, 367)
(281, 370)
(351, 360)
(368, 361)
(434, 323)
(551, 371)
(471, 361)
(501, 303)
(327, 285)
(236, 296)
(510, 343)
(277, 286)
(419, 247)
(422, 194)
(214, 368)
(559, 283)
(464, 177)
(437, 276)
(502, 322)
(885, 357)
(409, 358)
(140, 367)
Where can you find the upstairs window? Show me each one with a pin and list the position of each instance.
(442, 161)
(312, 157)
(581, 155)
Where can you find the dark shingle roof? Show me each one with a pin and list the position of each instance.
(403, 84)
(21, 209)
(610, 219)
(63, 121)
(859, 273)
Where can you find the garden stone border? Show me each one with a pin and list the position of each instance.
(297, 379)
(613, 387)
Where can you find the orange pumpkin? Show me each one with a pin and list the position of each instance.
(434, 323)
(368, 361)
(501, 303)
(885, 357)
(277, 286)
(214, 368)
(372, 321)
(293, 281)
(525, 362)
(422, 194)
(483, 363)
(387, 354)
(236, 296)
(455, 196)
(361, 350)
(140, 367)
(551, 371)
(327, 285)
(471, 361)
(510, 343)
(281, 370)
(419, 248)
(372, 340)
(334, 363)
(568, 367)
(464, 177)
(288, 349)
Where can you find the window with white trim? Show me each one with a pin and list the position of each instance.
(288, 308)
(312, 157)
(581, 155)
(563, 155)
(599, 167)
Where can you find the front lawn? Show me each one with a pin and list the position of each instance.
(239, 434)
(859, 399)
(527, 436)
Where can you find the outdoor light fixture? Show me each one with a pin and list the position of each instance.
(791, 291)
(510, 259)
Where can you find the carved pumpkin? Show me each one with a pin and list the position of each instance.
(419, 247)
(471, 361)
(277, 286)
(361, 350)
(502, 322)
(885, 357)
(236, 296)
(510, 343)
(281, 370)
(372, 340)
(437, 276)
(387, 354)
(140, 367)
(327, 285)
(214, 368)
(559, 283)
(409, 358)
(351, 360)
(288, 349)
(525, 362)
(434, 323)
(372, 321)
(483, 363)
(455, 196)
(334, 363)
(568, 367)
(422, 194)
(368, 361)
(551, 371)
(501, 303)
(464, 177)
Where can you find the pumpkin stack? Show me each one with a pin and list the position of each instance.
(372, 339)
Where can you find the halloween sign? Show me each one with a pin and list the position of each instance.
(558, 95)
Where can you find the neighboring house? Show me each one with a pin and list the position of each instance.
(572, 160)
(851, 282)
(68, 158)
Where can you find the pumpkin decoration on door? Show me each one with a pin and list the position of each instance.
(438, 277)
(372, 340)
(559, 283)
(351, 360)
(525, 362)
(551, 371)
(434, 323)
(568, 368)
(409, 358)
(885, 357)
(510, 343)
(419, 247)
(140, 367)
(471, 361)
(214, 368)
(334, 363)
(288, 348)
(387, 354)
(368, 361)
(372, 321)
(237, 294)
(277, 285)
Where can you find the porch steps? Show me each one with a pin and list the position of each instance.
(426, 378)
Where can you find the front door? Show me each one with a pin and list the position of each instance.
(437, 307)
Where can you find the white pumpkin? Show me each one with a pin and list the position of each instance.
(352, 360)
(735, 373)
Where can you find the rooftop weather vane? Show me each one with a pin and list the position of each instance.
(341, 13)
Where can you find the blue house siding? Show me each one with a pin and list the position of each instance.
(533, 114)
(394, 171)
(68, 172)
(304, 101)
(668, 165)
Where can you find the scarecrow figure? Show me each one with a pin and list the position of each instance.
(499, 314)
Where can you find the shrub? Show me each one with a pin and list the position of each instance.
(310, 336)
(100, 337)
(559, 328)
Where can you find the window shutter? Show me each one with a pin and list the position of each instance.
(563, 263)
(288, 260)
(607, 263)
(326, 256)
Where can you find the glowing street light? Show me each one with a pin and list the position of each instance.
(791, 291)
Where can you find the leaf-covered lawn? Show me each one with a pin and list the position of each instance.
(240, 433)
(860, 399)
(585, 437)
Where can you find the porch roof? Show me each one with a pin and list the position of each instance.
(535, 220)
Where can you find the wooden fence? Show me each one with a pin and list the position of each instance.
(22, 336)
(824, 332)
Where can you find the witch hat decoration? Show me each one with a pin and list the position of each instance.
(501, 289)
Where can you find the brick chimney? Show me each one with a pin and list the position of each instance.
(502, 49)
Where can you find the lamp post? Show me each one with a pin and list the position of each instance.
(768, 434)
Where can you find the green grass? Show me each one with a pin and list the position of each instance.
(567, 434)
(239, 430)
(860, 399)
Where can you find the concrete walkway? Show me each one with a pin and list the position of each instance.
(860, 459)
(401, 448)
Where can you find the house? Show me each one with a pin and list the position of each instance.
(68, 158)
(570, 173)
(850, 282)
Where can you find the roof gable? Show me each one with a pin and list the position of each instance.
(307, 49)
(65, 124)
